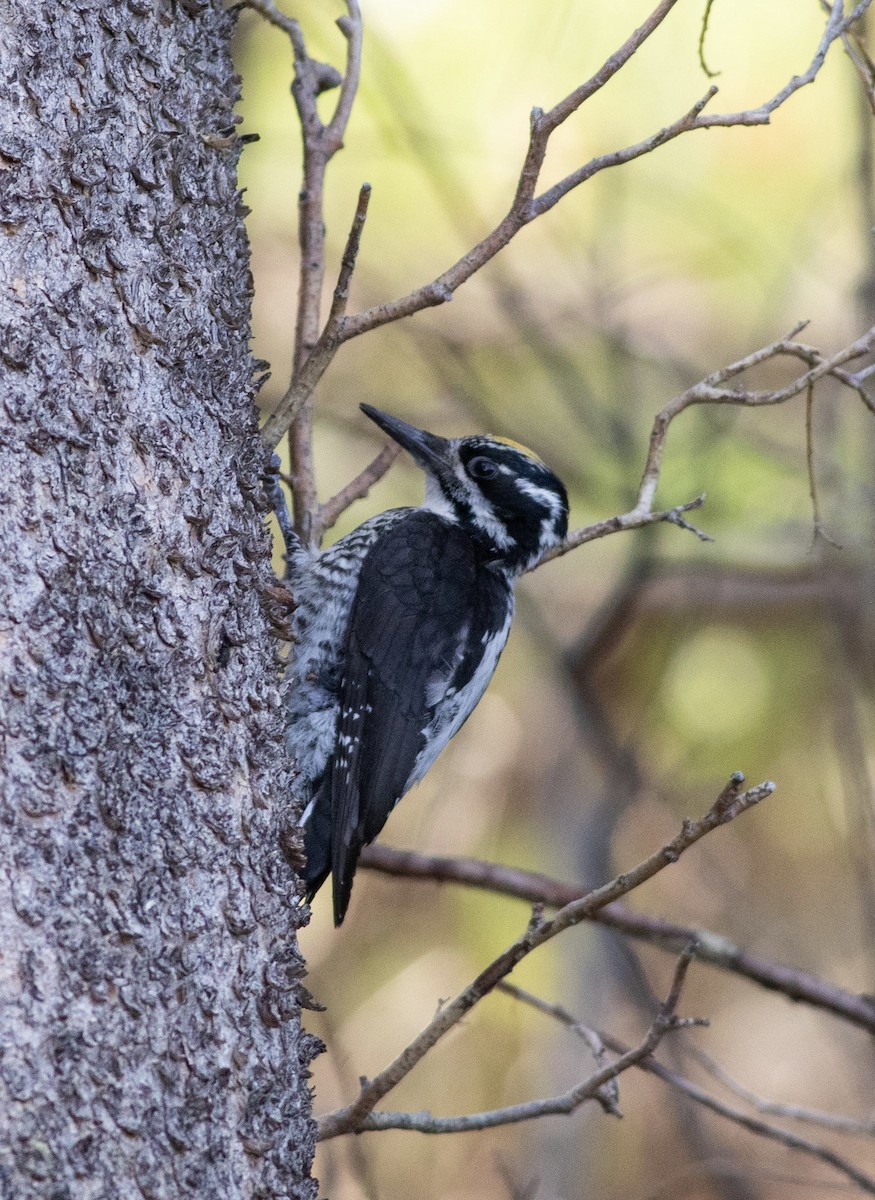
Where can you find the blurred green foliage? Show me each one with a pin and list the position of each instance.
(753, 653)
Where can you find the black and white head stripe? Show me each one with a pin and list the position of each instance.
(503, 495)
(512, 496)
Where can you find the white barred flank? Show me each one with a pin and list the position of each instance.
(324, 585)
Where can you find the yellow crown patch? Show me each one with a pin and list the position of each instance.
(522, 449)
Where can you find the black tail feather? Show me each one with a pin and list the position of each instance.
(317, 844)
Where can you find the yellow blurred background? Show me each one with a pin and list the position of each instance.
(644, 668)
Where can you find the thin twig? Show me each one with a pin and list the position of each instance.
(359, 487)
(270, 12)
(350, 1118)
(817, 522)
(609, 1099)
(859, 56)
(527, 206)
(350, 254)
(664, 1022)
(352, 29)
(688, 121)
(321, 142)
(703, 33)
(636, 518)
(700, 1096)
(836, 27)
(855, 380)
(753, 1124)
(713, 948)
(543, 124)
(713, 390)
(290, 404)
(791, 1112)
(863, 65)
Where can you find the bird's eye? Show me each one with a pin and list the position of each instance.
(482, 468)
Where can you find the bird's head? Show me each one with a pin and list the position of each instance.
(498, 491)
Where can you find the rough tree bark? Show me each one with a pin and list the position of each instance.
(150, 1040)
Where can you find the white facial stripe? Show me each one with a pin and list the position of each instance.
(545, 496)
(482, 511)
(436, 501)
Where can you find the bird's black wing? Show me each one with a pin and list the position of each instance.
(410, 624)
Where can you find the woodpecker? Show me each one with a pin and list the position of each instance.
(398, 630)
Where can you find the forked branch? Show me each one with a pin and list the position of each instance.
(527, 204)
(698, 1095)
(591, 1088)
(715, 390)
(731, 802)
(712, 948)
(321, 141)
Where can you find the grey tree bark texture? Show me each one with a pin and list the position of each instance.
(150, 1036)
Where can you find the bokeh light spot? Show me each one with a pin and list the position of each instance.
(717, 685)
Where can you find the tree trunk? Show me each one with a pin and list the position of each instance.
(150, 1039)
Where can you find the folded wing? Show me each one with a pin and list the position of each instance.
(416, 634)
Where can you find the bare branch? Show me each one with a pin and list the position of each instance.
(526, 206)
(589, 1089)
(863, 64)
(713, 390)
(357, 488)
(581, 1030)
(855, 380)
(320, 143)
(543, 124)
(836, 27)
(609, 1099)
(713, 948)
(791, 1112)
(616, 158)
(290, 404)
(818, 526)
(700, 1096)
(350, 254)
(753, 1124)
(703, 33)
(636, 518)
(270, 12)
(351, 28)
(350, 1118)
